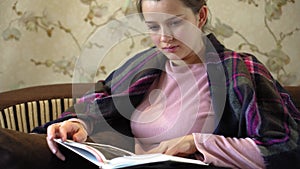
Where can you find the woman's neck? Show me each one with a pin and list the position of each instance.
(191, 59)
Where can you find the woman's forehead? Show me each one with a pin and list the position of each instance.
(160, 17)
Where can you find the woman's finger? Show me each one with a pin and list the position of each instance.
(52, 133)
(51, 145)
(162, 148)
(80, 135)
(54, 148)
(52, 130)
(60, 155)
(65, 129)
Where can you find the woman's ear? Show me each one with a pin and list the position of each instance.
(202, 16)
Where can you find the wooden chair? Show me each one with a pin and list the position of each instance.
(24, 109)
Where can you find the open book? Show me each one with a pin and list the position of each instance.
(110, 157)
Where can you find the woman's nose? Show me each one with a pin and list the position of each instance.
(166, 35)
(166, 38)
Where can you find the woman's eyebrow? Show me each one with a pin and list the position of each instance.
(176, 16)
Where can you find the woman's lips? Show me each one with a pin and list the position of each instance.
(170, 49)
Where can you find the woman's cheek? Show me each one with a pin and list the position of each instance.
(155, 39)
(181, 35)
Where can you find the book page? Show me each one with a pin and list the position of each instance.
(85, 151)
(96, 153)
(110, 152)
(126, 161)
(106, 156)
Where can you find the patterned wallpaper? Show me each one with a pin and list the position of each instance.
(47, 42)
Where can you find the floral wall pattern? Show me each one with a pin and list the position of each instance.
(41, 43)
(276, 57)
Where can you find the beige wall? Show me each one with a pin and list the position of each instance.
(35, 58)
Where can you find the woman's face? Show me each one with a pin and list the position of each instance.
(174, 29)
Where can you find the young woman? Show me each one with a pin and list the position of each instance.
(190, 96)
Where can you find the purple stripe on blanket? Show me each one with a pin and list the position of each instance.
(133, 70)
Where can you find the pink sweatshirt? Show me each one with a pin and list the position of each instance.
(175, 108)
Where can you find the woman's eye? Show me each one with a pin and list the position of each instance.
(175, 23)
(153, 28)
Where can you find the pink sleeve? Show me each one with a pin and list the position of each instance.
(228, 152)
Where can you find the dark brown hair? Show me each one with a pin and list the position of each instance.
(195, 5)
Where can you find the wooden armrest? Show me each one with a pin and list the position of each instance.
(24, 109)
(43, 92)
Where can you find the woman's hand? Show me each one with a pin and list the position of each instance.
(182, 146)
(65, 130)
